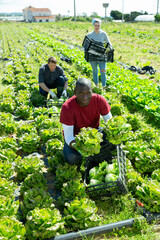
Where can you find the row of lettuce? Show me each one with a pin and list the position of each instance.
(144, 93)
(25, 126)
(21, 138)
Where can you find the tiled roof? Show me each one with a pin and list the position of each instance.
(37, 9)
(44, 17)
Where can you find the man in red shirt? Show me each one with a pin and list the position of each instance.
(81, 110)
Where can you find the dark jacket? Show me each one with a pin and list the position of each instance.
(48, 77)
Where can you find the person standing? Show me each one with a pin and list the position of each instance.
(52, 76)
(95, 61)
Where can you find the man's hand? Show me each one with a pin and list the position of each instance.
(64, 93)
(53, 95)
(72, 144)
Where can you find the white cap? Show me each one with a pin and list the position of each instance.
(96, 20)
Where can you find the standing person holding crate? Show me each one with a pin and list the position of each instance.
(52, 76)
(96, 60)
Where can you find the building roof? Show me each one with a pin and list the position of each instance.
(33, 9)
(44, 17)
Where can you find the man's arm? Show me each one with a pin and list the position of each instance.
(64, 93)
(61, 72)
(68, 135)
(107, 116)
(44, 87)
(66, 85)
(41, 79)
(42, 84)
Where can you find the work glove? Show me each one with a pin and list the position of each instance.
(64, 93)
(53, 95)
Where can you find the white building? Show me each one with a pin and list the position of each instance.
(32, 14)
(145, 18)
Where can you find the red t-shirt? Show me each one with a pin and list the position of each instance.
(73, 114)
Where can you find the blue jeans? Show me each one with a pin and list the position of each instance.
(102, 65)
(58, 83)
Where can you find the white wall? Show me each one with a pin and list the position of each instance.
(44, 20)
(39, 14)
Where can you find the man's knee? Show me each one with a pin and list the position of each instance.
(42, 92)
(73, 159)
(71, 156)
(103, 70)
(61, 81)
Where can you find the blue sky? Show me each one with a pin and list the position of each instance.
(88, 6)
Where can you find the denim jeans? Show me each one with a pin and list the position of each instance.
(102, 65)
(58, 83)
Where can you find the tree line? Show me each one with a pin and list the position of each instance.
(114, 15)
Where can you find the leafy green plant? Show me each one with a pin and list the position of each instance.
(27, 165)
(157, 17)
(134, 121)
(21, 85)
(34, 180)
(97, 90)
(117, 109)
(8, 143)
(147, 161)
(47, 134)
(36, 197)
(155, 144)
(7, 124)
(23, 111)
(148, 193)
(22, 98)
(7, 105)
(7, 155)
(88, 141)
(156, 175)
(104, 173)
(7, 187)
(81, 214)
(147, 134)
(39, 111)
(6, 169)
(25, 128)
(134, 179)
(8, 206)
(52, 146)
(134, 147)
(11, 228)
(71, 190)
(117, 130)
(44, 223)
(36, 98)
(65, 173)
(29, 142)
(44, 122)
(55, 160)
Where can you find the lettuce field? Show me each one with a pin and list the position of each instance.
(41, 196)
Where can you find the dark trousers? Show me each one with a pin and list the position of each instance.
(72, 156)
(58, 83)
